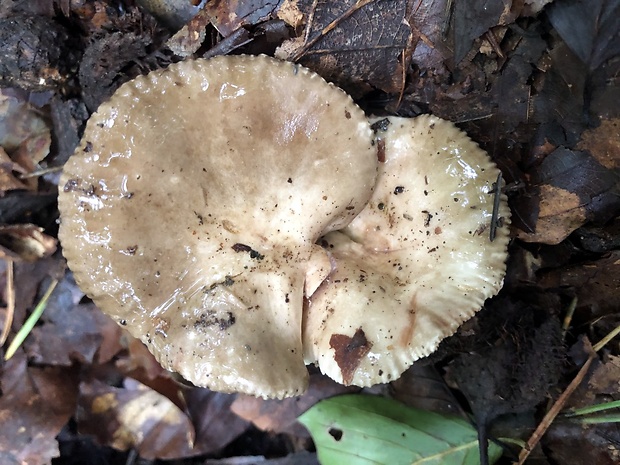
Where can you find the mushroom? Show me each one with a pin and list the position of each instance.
(416, 262)
(191, 208)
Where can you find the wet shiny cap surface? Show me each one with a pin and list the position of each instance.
(416, 262)
(191, 209)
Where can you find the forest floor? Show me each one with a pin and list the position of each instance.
(535, 82)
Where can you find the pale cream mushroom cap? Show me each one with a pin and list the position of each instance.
(415, 263)
(190, 211)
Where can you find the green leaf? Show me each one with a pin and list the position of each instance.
(364, 430)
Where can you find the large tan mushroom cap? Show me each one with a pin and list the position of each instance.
(191, 208)
(416, 263)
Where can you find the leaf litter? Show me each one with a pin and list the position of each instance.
(532, 81)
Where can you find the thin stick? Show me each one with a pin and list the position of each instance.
(496, 203)
(10, 301)
(41, 172)
(554, 411)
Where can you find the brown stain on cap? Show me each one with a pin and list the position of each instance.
(349, 352)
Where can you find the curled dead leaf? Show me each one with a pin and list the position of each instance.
(25, 242)
(135, 417)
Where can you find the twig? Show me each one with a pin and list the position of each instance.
(495, 220)
(554, 411)
(490, 37)
(404, 79)
(10, 301)
(41, 172)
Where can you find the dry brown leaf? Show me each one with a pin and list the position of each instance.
(290, 13)
(191, 36)
(197, 421)
(603, 143)
(561, 212)
(24, 141)
(8, 181)
(25, 242)
(573, 187)
(135, 417)
(606, 378)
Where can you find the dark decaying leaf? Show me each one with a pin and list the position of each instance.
(599, 239)
(429, 23)
(28, 207)
(591, 28)
(594, 283)
(421, 386)
(574, 443)
(34, 406)
(281, 415)
(473, 18)
(100, 69)
(48, 8)
(358, 45)
(360, 430)
(29, 278)
(562, 95)
(68, 332)
(214, 422)
(34, 54)
(67, 116)
(513, 89)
